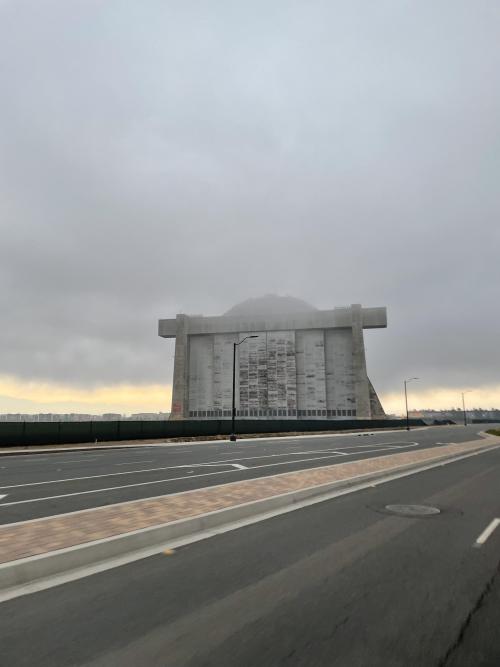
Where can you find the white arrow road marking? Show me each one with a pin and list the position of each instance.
(487, 533)
(4, 496)
(238, 466)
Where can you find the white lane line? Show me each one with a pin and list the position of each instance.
(169, 479)
(396, 443)
(200, 465)
(185, 465)
(114, 488)
(132, 463)
(90, 458)
(378, 447)
(282, 454)
(387, 445)
(487, 533)
(239, 467)
(112, 474)
(382, 446)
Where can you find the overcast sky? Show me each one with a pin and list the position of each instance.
(159, 157)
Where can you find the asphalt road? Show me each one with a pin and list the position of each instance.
(45, 484)
(341, 583)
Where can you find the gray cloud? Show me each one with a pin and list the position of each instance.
(169, 157)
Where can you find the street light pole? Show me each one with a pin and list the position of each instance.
(406, 403)
(232, 437)
(407, 416)
(463, 406)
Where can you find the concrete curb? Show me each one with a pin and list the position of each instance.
(28, 570)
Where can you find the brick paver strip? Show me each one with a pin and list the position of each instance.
(40, 536)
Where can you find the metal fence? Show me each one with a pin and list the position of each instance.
(44, 433)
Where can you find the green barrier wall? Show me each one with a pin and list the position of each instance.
(45, 433)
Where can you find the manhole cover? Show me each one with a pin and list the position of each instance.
(412, 510)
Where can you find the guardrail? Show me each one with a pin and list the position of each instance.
(14, 434)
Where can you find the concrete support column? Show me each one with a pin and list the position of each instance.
(361, 382)
(181, 367)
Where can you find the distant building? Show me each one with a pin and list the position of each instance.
(80, 417)
(456, 414)
(149, 416)
(111, 417)
(301, 362)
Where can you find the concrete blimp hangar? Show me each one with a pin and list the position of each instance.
(304, 363)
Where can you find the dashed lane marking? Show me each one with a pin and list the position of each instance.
(487, 532)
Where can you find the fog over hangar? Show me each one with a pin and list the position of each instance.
(304, 363)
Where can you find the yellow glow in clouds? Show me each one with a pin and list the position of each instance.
(440, 398)
(34, 396)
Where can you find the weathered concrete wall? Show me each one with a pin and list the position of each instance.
(201, 376)
(311, 377)
(339, 371)
(252, 356)
(181, 361)
(376, 409)
(223, 371)
(313, 367)
(294, 374)
(281, 372)
(361, 385)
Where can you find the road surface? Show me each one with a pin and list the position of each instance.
(340, 583)
(46, 484)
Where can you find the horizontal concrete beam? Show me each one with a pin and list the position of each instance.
(372, 318)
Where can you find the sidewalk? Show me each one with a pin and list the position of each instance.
(43, 536)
